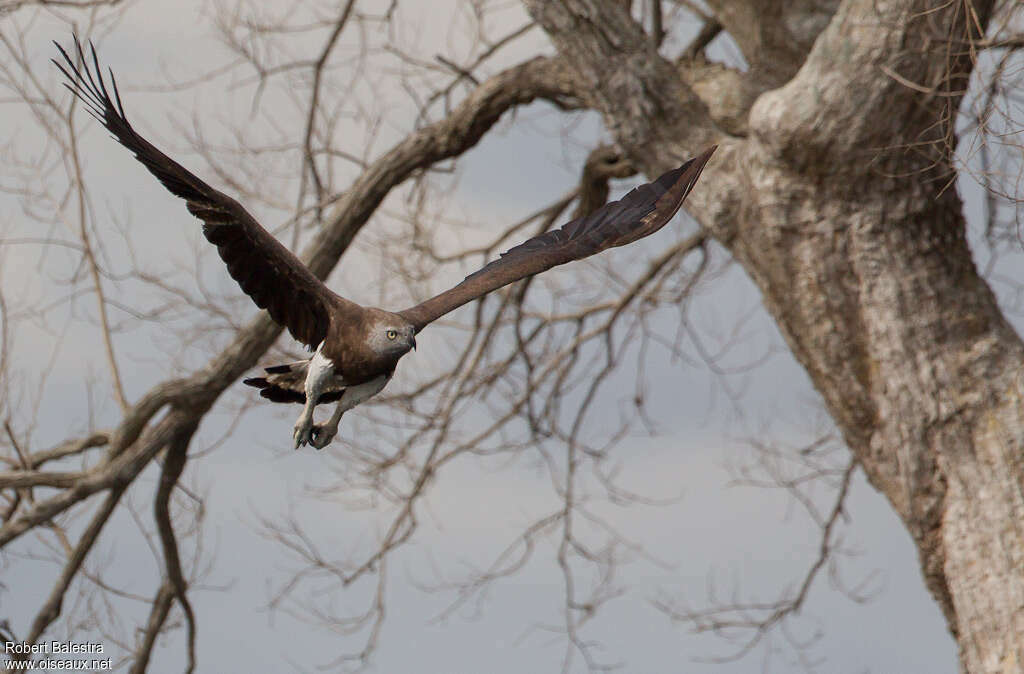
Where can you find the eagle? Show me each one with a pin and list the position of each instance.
(355, 348)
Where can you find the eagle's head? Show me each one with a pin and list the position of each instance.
(391, 335)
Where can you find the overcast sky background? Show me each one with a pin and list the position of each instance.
(751, 541)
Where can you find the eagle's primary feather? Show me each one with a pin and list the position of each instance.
(643, 211)
(267, 271)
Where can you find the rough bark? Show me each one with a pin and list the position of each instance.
(775, 35)
(839, 206)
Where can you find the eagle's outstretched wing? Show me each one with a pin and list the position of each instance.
(643, 211)
(267, 271)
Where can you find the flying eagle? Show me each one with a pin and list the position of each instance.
(356, 348)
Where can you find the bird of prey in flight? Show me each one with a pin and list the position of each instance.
(356, 348)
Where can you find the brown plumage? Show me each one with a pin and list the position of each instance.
(357, 348)
(642, 212)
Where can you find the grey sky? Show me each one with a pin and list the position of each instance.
(751, 541)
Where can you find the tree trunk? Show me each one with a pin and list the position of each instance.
(840, 205)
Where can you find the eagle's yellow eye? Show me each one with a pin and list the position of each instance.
(392, 334)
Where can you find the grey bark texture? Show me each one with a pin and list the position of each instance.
(835, 195)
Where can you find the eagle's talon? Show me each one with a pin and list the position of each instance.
(322, 435)
(303, 434)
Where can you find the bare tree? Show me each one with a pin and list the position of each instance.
(842, 137)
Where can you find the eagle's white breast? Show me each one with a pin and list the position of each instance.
(321, 370)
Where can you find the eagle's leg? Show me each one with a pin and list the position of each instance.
(353, 395)
(320, 370)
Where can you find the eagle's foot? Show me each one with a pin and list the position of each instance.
(323, 434)
(303, 434)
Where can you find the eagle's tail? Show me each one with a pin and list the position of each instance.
(287, 384)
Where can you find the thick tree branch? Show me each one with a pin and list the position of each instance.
(160, 609)
(616, 60)
(774, 35)
(174, 464)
